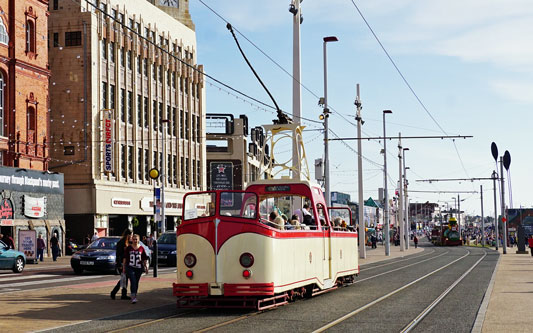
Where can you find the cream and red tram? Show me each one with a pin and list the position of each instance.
(230, 255)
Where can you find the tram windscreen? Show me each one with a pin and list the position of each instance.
(238, 204)
(199, 205)
(287, 212)
(340, 218)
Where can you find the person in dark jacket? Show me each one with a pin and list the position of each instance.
(122, 244)
(54, 244)
(530, 243)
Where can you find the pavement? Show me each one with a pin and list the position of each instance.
(504, 308)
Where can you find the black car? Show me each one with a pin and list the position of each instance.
(100, 255)
(72, 246)
(166, 248)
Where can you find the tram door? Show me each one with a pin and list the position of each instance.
(326, 242)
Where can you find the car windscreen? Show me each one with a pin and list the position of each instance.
(167, 239)
(104, 243)
(2, 245)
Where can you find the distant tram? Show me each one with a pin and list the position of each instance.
(235, 249)
(446, 234)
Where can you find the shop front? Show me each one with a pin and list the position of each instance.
(31, 200)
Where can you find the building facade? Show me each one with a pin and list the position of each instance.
(24, 74)
(126, 97)
(233, 152)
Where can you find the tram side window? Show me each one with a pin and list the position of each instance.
(238, 204)
(340, 218)
(287, 212)
(199, 205)
(322, 216)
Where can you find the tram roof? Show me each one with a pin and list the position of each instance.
(284, 181)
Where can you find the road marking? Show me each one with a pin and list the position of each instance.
(353, 313)
(427, 310)
(26, 277)
(31, 283)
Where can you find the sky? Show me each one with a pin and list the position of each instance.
(470, 63)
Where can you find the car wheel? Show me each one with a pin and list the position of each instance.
(78, 271)
(19, 265)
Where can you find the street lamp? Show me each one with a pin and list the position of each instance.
(386, 206)
(407, 229)
(326, 116)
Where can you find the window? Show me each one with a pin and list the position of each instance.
(175, 173)
(112, 96)
(182, 175)
(131, 23)
(173, 80)
(187, 173)
(182, 124)
(146, 164)
(145, 113)
(160, 73)
(186, 86)
(121, 57)
(174, 118)
(129, 61)
(146, 32)
(55, 5)
(1, 105)
(56, 39)
(104, 95)
(123, 105)
(154, 72)
(154, 115)
(160, 116)
(130, 162)
(103, 7)
(139, 65)
(187, 129)
(160, 165)
(130, 108)
(139, 164)
(104, 48)
(123, 161)
(112, 52)
(198, 134)
(169, 168)
(169, 118)
(194, 173)
(139, 110)
(113, 13)
(198, 174)
(30, 36)
(72, 38)
(4, 37)
(193, 128)
(145, 66)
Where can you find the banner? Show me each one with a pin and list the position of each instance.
(34, 207)
(108, 140)
(25, 180)
(28, 243)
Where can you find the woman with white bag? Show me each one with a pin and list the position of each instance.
(122, 244)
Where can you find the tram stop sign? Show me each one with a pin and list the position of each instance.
(504, 219)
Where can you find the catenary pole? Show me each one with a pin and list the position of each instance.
(401, 224)
(494, 177)
(386, 205)
(362, 245)
(482, 218)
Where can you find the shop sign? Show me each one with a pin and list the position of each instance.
(7, 223)
(23, 180)
(34, 207)
(171, 205)
(28, 243)
(120, 203)
(6, 209)
(108, 140)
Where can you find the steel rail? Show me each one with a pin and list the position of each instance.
(394, 262)
(376, 301)
(427, 310)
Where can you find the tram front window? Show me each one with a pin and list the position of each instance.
(199, 205)
(287, 212)
(238, 204)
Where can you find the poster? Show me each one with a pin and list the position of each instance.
(28, 243)
(222, 179)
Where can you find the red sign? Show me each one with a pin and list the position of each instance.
(6, 209)
(504, 219)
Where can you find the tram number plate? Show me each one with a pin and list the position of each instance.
(161, 257)
(87, 263)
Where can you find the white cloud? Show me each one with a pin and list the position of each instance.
(519, 91)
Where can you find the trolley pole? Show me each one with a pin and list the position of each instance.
(401, 224)
(504, 223)
(494, 177)
(362, 245)
(482, 218)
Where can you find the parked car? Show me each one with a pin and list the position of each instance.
(166, 248)
(71, 246)
(11, 259)
(100, 255)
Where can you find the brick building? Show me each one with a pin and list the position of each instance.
(106, 70)
(24, 75)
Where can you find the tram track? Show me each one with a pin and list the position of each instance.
(364, 269)
(413, 323)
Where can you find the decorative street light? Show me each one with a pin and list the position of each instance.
(326, 112)
(386, 206)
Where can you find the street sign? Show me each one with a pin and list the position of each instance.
(504, 219)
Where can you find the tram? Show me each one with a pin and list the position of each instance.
(235, 250)
(447, 234)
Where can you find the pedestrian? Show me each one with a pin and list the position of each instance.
(530, 243)
(135, 263)
(87, 240)
(373, 240)
(150, 240)
(40, 247)
(415, 239)
(9, 241)
(95, 237)
(54, 243)
(122, 244)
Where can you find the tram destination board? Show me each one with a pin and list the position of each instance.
(278, 188)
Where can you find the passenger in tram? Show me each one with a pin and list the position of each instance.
(337, 223)
(275, 220)
(295, 223)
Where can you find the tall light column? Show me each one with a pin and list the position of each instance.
(504, 223)
(401, 224)
(362, 245)
(482, 218)
(327, 181)
(494, 176)
(386, 206)
(406, 199)
(296, 79)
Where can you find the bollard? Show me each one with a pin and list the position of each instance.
(154, 256)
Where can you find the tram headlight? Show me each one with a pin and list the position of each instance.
(189, 274)
(246, 273)
(189, 260)
(246, 260)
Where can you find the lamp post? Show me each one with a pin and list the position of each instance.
(327, 181)
(386, 206)
(401, 224)
(494, 176)
(406, 202)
